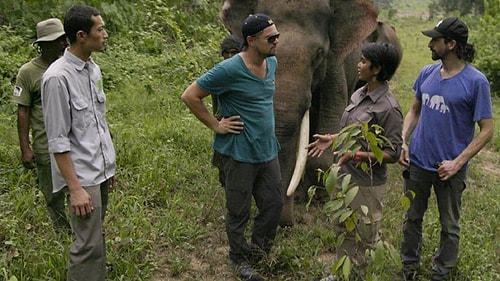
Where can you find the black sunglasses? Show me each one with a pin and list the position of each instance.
(271, 39)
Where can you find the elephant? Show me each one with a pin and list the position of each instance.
(317, 39)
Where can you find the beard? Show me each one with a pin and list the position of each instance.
(435, 56)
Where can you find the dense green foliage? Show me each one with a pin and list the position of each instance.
(169, 28)
(487, 39)
(165, 220)
(464, 7)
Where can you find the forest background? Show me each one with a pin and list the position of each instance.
(166, 219)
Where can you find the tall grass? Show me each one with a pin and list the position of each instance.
(166, 218)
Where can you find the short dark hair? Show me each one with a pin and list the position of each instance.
(79, 17)
(383, 55)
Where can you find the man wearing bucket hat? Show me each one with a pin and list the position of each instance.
(245, 137)
(451, 96)
(50, 42)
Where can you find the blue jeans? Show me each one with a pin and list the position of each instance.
(449, 199)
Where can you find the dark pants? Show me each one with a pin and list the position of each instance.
(218, 163)
(55, 202)
(263, 183)
(449, 198)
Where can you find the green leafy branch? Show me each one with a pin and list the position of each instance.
(342, 192)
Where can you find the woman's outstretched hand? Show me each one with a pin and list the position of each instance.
(321, 143)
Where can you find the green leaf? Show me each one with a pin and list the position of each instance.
(406, 199)
(364, 210)
(332, 178)
(405, 203)
(346, 183)
(320, 175)
(345, 214)
(346, 268)
(333, 205)
(310, 194)
(338, 264)
(337, 214)
(340, 240)
(350, 195)
(350, 224)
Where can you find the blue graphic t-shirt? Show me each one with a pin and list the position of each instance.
(450, 109)
(242, 93)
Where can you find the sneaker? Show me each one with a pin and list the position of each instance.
(246, 272)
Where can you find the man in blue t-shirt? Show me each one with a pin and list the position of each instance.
(450, 98)
(244, 86)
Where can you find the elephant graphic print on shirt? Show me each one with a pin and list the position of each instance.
(435, 102)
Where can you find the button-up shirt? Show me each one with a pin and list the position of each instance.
(378, 107)
(74, 111)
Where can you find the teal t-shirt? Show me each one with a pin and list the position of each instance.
(242, 93)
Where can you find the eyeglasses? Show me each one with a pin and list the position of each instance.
(272, 38)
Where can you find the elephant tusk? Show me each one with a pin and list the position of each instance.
(300, 164)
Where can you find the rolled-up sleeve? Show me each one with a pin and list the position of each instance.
(57, 114)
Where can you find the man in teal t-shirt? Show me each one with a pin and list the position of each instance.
(245, 86)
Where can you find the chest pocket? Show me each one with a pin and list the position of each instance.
(355, 115)
(364, 117)
(80, 113)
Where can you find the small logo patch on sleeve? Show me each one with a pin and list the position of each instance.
(17, 91)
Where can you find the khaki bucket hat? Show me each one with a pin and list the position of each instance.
(49, 30)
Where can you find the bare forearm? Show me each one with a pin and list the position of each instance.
(411, 120)
(198, 108)
(483, 137)
(192, 97)
(23, 120)
(409, 124)
(65, 164)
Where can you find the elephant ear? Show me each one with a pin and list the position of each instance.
(352, 22)
(233, 13)
(386, 32)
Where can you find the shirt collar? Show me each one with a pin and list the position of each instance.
(76, 61)
(373, 96)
